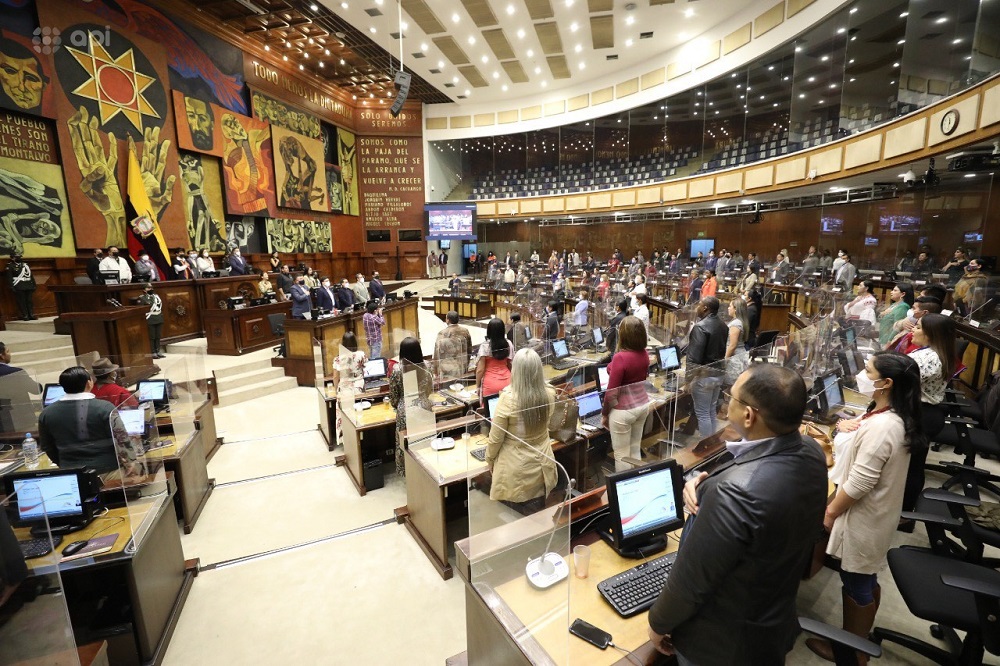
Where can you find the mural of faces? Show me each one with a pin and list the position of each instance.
(201, 120)
(21, 77)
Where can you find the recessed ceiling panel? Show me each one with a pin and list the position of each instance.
(473, 76)
(498, 42)
(558, 67)
(480, 12)
(515, 72)
(451, 50)
(539, 9)
(423, 16)
(602, 31)
(600, 5)
(548, 37)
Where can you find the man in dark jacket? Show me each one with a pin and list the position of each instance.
(375, 287)
(345, 296)
(94, 266)
(730, 597)
(706, 350)
(551, 330)
(611, 336)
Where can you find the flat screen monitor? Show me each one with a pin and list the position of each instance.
(153, 390)
(602, 377)
(589, 404)
(375, 368)
(111, 277)
(645, 503)
(831, 393)
(597, 335)
(832, 226)
(899, 224)
(444, 245)
(58, 496)
(51, 393)
(134, 420)
(560, 349)
(491, 405)
(851, 337)
(849, 362)
(448, 222)
(669, 358)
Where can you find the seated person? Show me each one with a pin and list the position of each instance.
(76, 430)
(106, 386)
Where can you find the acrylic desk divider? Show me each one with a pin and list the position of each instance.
(35, 626)
(520, 558)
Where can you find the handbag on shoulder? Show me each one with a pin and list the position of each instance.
(565, 414)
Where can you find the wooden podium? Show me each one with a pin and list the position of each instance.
(120, 334)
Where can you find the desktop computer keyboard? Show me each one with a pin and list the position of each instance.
(594, 421)
(379, 383)
(634, 591)
(479, 454)
(38, 547)
(565, 364)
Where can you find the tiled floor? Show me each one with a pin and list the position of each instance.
(299, 569)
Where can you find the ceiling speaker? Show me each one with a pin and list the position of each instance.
(403, 83)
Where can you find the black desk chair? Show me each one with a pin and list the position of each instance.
(277, 322)
(951, 531)
(953, 595)
(845, 644)
(764, 339)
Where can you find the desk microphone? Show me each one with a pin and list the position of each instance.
(549, 568)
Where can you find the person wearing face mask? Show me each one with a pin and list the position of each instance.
(181, 269)
(154, 318)
(94, 266)
(844, 275)
(325, 298)
(838, 262)
(935, 357)
(205, 262)
(900, 301)
(922, 305)
(870, 472)
(285, 283)
(360, 289)
(706, 346)
(113, 262)
(970, 291)
(106, 386)
(863, 305)
(301, 302)
(376, 288)
(145, 269)
(192, 261)
(237, 264)
(345, 297)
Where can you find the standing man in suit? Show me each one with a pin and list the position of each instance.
(376, 288)
(345, 297)
(454, 284)
(551, 330)
(94, 266)
(301, 300)
(845, 274)
(360, 289)
(325, 299)
(706, 347)
(237, 264)
(749, 535)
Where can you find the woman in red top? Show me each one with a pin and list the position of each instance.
(493, 364)
(710, 286)
(105, 388)
(626, 403)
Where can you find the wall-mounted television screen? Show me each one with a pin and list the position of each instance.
(831, 225)
(871, 241)
(450, 221)
(899, 224)
(444, 245)
(973, 237)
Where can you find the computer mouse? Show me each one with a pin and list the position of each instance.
(74, 547)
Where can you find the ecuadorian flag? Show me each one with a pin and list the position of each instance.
(144, 232)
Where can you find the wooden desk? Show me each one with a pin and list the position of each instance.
(300, 334)
(149, 586)
(186, 461)
(203, 416)
(236, 332)
(509, 622)
(181, 308)
(467, 307)
(120, 334)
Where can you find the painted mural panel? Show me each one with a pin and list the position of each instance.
(299, 171)
(284, 235)
(202, 180)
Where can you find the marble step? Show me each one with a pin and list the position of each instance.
(21, 342)
(243, 368)
(45, 325)
(248, 377)
(258, 389)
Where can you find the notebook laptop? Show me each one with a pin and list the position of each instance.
(590, 408)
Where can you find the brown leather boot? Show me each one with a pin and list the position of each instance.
(859, 619)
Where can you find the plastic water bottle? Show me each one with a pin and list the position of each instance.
(29, 447)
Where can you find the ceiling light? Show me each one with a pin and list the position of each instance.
(895, 64)
(628, 42)
(312, 41)
(545, 83)
(285, 58)
(688, 13)
(372, 30)
(454, 79)
(472, 40)
(578, 48)
(531, 53)
(305, 55)
(833, 85)
(314, 7)
(454, 18)
(904, 14)
(970, 175)
(629, 20)
(496, 75)
(841, 31)
(853, 9)
(802, 95)
(322, 64)
(852, 80)
(824, 58)
(343, 5)
(798, 49)
(301, 66)
(354, 96)
(762, 97)
(943, 19)
(379, 2)
(404, 25)
(467, 92)
(582, 65)
(371, 95)
(538, 70)
(326, 51)
(510, 9)
(811, 79)
(504, 88)
(957, 40)
(440, 64)
(266, 47)
(485, 59)
(574, 26)
(569, 3)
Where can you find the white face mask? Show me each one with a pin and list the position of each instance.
(865, 386)
(909, 313)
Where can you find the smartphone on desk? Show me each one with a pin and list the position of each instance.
(590, 633)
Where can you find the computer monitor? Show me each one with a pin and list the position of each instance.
(51, 393)
(602, 377)
(57, 495)
(669, 358)
(375, 368)
(154, 391)
(237, 303)
(527, 332)
(491, 405)
(134, 420)
(560, 349)
(849, 362)
(645, 504)
(589, 404)
(831, 394)
(597, 335)
(111, 277)
(851, 338)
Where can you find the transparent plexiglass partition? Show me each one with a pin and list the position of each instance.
(349, 381)
(519, 552)
(35, 626)
(20, 404)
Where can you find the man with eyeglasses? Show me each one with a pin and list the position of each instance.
(751, 530)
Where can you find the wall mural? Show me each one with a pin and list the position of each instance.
(348, 160)
(112, 98)
(241, 232)
(202, 181)
(199, 125)
(284, 235)
(280, 114)
(246, 165)
(299, 171)
(34, 215)
(26, 74)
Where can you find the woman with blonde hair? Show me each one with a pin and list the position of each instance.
(739, 329)
(519, 452)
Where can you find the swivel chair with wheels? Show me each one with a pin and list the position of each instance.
(952, 594)
(951, 530)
